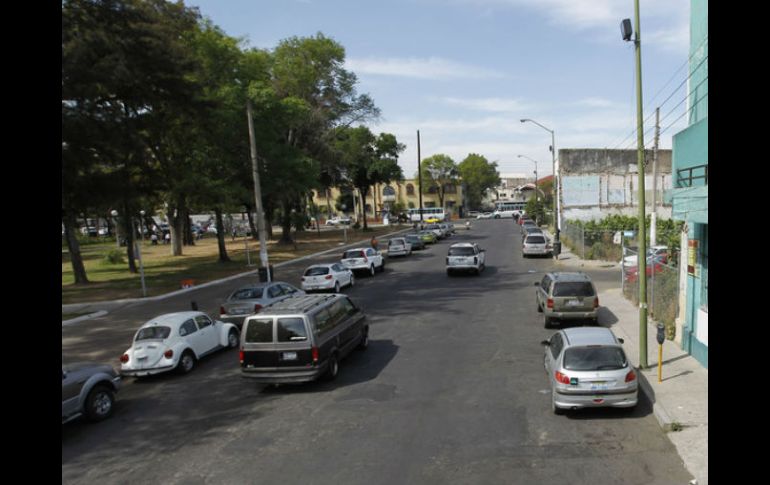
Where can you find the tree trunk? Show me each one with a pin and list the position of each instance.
(76, 258)
(254, 233)
(364, 191)
(128, 231)
(286, 223)
(223, 258)
(175, 223)
(187, 238)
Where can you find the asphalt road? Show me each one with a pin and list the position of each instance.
(451, 390)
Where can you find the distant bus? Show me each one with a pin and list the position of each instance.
(505, 209)
(427, 213)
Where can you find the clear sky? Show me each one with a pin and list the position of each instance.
(464, 72)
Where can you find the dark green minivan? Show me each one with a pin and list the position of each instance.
(301, 339)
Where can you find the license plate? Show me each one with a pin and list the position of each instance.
(599, 386)
(573, 303)
(289, 356)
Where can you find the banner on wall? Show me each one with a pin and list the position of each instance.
(692, 257)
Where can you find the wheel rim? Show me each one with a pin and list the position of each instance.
(337, 287)
(371, 270)
(233, 339)
(102, 404)
(187, 362)
(352, 280)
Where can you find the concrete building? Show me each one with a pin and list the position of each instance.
(384, 196)
(690, 194)
(512, 187)
(596, 183)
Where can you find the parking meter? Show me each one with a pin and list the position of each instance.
(661, 336)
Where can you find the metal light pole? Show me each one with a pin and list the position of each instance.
(258, 196)
(537, 196)
(642, 257)
(556, 180)
(114, 215)
(419, 176)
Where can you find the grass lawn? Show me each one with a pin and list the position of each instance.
(164, 273)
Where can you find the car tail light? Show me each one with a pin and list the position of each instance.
(124, 358)
(596, 302)
(630, 376)
(257, 308)
(314, 352)
(168, 354)
(561, 378)
(240, 356)
(549, 303)
(328, 277)
(475, 260)
(222, 310)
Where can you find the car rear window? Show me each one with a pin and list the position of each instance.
(259, 330)
(535, 240)
(461, 251)
(353, 254)
(594, 358)
(291, 330)
(573, 288)
(317, 271)
(248, 293)
(150, 333)
(396, 242)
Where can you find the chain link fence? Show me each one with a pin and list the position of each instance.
(600, 245)
(662, 288)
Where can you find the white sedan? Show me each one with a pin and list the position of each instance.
(327, 277)
(176, 341)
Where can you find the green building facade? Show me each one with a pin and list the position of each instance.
(690, 192)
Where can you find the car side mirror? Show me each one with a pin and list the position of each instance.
(621, 340)
(545, 342)
(537, 283)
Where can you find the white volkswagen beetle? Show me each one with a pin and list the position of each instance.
(176, 341)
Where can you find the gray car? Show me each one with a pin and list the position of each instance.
(588, 368)
(250, 299)
(567, 296)
(88, 389)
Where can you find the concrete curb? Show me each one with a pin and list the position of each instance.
(76, 306)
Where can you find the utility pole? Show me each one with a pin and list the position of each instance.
(654, 215)
(258, 196)
(419, 175)
(642, 257)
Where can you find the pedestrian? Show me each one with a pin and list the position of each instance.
(374, 243)
(167, 238)
(154, 239)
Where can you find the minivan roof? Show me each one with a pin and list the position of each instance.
(296, 304)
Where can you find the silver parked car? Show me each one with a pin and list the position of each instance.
(567, 296)
(250, 299)
(536, 245)
(399, 246)
(588, 368)
(88, 389)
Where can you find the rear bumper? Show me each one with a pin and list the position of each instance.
(278, 376)
(318, 287)
(145, 372)
(535, 252)
(402, 252)
(621, 400)
(572, 315)
(236, 320)
(463, 267)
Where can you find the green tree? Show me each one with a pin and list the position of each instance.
(478, 175)
(439, 171)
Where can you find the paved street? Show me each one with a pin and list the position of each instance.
(451, 390)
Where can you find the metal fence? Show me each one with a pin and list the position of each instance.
(601, 245)
(662, 289)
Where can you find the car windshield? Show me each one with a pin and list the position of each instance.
(151, 333)
(573, 288)
(248, 293)
(594, 358)
(462, 251)
(317, 271)
(353, 254)
(535, 240)
(412, 238)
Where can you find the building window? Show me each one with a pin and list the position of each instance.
(450, 189)
(409, 189)
(411, 205)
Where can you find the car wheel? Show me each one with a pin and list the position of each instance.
(449, 272)
(382, 266)
(371, 270)
(99, 403)
(233, 339)
(186, 362)
(333, 369)
(364, 343)
(352, 280)
(336, 286)
(539, 308)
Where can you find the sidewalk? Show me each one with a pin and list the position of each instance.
(680, 401)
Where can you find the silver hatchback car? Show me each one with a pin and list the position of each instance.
(587, 368)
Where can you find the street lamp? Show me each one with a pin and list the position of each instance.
(537, 198)
(556, 204)
(114, 215)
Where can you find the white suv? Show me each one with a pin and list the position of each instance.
(363, 259)
(465, 257)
